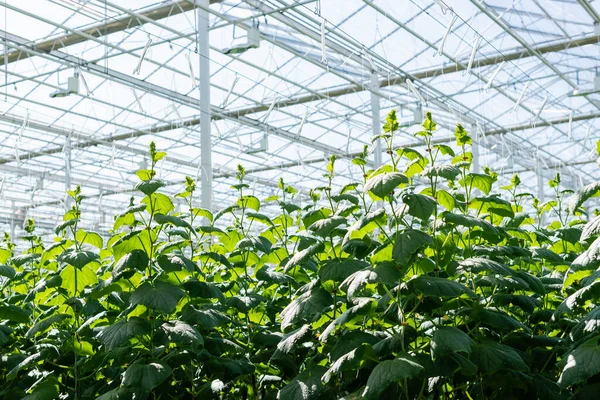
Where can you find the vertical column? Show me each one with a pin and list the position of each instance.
(205, 111)
(376, 117)
(475, 147)
(67, 151)
(540, 180)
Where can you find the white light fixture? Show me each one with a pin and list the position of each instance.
(252, 42)
(520, 99)
(72, 87)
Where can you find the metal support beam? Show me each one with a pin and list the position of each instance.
(205, 108)
(376, 118)
(475, 147)
(67, 172)
(105, 28)
(590, 10)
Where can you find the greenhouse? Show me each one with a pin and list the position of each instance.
(299, 199)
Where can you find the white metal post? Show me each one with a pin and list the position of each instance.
(376, 118)
(205, 112)
(67, 171)
(475, 147)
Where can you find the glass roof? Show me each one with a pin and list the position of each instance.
(506, 70)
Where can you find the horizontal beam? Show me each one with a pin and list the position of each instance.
(104, 29)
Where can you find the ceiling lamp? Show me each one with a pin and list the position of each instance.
(584, 92)
(252, 42)
(72, 87)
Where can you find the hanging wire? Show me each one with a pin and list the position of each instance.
(136, 71)
(440, 50)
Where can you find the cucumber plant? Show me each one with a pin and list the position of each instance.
(420, 281)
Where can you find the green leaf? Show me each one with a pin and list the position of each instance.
(498, 320)
(419, 205)
(583, 194)
(447, 340)
(158, 203)
(478, 265)
(445, 199)
(258, 243)
(205, 290)
(121, 331)
(91, 238)
(176, 262)
(305, 386)
(407, 244)
(267, 274)
(43, 325)
(136, 260)
(348, 361)
(203, 213)
(306, 306)
(592, 228)
(62, 226)
(170, 219)
(146, 376)
(445, 149)
(388, 372)
(491, 357)
(78, 259)
(482, 182)
(162, 296)
(339, 269)
(324, 227)
(302, 256)
(469, 221)
(182, 333)
(249, 202)
(22, 259)
(449, 172)
(43, 391)
(290, 340)
(13, 313)
(438, 287)
(7, 271)
(381, 185)
(148, 187)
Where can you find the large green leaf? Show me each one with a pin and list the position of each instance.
(121, 331)
(161, 296)
(407, 244)
(383, 184)
(583, 194)
(482, 182)
(449, 339)
(324, 227)
(182, 333)
(78, 259)
(478, 265)
(146, 376)
(469, 221)
(172, 220)
(158, 203)
(581, 364)
(419, 205)
(339, 269)
(438, 287)
(491, 357)
(305, 386)
(449, 172)
(290, 340)
(348, 361)
(43, 325)
(13, 313)
(304, 255)
(176, 262)
(592, 228)
(136, 260)
(388, 372)
(150, 186)
(306, 306)
(7, 271)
